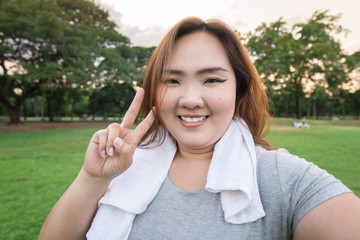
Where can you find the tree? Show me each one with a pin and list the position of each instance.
(355, 97)
(288, 60)
(279, 59)
(353, 61)
(50, 45)
(114, 98)
(320, 101)
(141, 56)
(112, 70)
(324, 53)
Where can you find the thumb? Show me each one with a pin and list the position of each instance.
(125, 150)
(124, 153)
(118, 143)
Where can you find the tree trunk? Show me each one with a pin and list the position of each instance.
(287, 106)
(24, 112)
(93, 107)
(49, 110)
(14, 115)
(297, 106)
(42, 108)
(13, 112)
(314, 109)
(308, 109)
(297, 92)
(331, 108)
(72, 110)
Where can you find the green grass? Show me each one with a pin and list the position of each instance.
(36, 167)
(332, 145)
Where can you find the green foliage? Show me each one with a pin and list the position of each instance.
(56, 47)
(353, 61)
(321, 100)
(113, 99)
(68, 51)
(288, 60)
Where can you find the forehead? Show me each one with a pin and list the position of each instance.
(197, 51)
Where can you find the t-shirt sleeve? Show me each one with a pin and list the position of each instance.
(304, 185)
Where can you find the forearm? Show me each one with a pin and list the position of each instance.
(72, 215)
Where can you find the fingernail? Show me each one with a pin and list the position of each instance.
(103, 153)
(118, 142)
(111, 151)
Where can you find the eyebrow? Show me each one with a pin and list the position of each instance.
(200, 72)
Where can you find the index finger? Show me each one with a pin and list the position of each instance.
(144, 126)
(133, 110)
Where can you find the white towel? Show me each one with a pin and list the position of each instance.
(232, 172)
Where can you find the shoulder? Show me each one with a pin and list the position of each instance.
(288, 167)
(298, 183)
(282, 175)
(282, 164)
(280, 156)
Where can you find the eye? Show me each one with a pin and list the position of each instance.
(171, 81)
(214, 80)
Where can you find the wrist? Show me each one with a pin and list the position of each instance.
(95, 184)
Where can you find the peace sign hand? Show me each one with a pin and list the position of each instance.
(111, 150)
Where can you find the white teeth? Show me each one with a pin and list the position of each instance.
(189, 119)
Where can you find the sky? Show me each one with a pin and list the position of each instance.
(145, 22)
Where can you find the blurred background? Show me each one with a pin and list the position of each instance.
(81, 60)
(69, 67)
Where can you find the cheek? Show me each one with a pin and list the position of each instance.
(225, 104)
(160, 97)
(165, 102)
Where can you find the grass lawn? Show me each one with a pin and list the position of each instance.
(35, 169)
(332, 145)
(37, 166)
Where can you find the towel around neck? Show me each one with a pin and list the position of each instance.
(232, 172)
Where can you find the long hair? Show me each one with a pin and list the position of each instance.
(252, 104)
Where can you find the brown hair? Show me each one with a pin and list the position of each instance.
(251, 101)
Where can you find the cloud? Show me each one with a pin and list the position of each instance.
(147, 37)
(146, 22)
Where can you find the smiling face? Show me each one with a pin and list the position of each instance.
(198, 96)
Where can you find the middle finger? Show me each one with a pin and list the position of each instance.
(114, 130)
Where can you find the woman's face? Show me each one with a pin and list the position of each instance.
(198, 97)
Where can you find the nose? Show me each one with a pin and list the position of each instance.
(191, 98)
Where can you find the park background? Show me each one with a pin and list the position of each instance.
(69, 67)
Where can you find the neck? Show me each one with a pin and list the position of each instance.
(189, 168)
(195, 155)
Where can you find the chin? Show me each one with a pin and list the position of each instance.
(197, 142)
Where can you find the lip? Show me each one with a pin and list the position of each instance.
(193, 124)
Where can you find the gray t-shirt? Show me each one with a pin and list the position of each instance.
(289, 187)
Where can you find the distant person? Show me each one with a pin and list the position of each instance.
(301, 125)
(198, 166)
(297, 124)
(305, 125)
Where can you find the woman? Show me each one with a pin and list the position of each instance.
(203, 169)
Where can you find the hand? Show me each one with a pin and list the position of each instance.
(110, 150)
